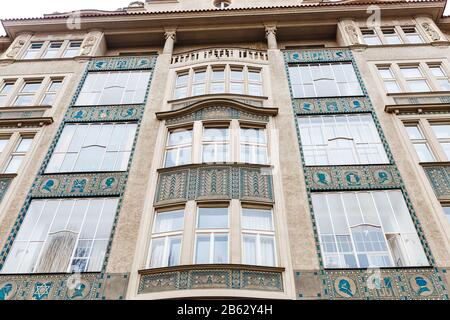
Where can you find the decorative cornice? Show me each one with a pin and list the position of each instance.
(213, 103)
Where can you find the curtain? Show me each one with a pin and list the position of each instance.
(267, 251)
(257, 220)
(250, 250)
(157, 254)
(57, 252)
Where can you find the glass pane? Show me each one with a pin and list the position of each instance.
(24, 101)
(423, 152)
(414, 132)
(267, 251)
(31, 87)
(411, 72)
(180, 137)
(14, 164)
(249, 249)
(220, 249)
(418, 85)
(3, 143)
(169, 221)
(212, 218)
(24, 145)
(174, 251)
(202, 249)
(442, 131)
(253, 135)
(215, 134)
(157, 253)
(254, 219)
(7, 88)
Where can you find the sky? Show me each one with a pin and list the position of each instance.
(36, 8)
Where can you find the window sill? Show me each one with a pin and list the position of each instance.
(435, 164)
(211, 267)
(8, 175)
(214, 164)
(381, 268)
(415, 94)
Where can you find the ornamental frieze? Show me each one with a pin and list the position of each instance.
(331, 105)
(86, 286)
(211, 277)
(122, 63)
(331, 55)
(79, 185)
(105, 113)
(352, 177)
(210, 182)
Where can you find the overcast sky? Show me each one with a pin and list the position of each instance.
(36, 8)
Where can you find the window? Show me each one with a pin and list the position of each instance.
(370, 37)
(258, 240)
(199, 83)
(3, 143)
(367, 229)
(420, 143)
(390, 83)
(255, 83)
(33, 50)
(442, 133)
(5, 90)
(93, 147)
(51, 92)
(217, 79)
(211, 245)
(27, 95)
(52, 50)
(341, 140)
(18, 155)
(165, 247)
(179, 148)
(215, 144)
(441, 77)
(446, 209)
(109, 88)
(63, 235)
(391, 36)
(324, 80)
(412, 35)
(237, 80)
(72, 49)
(181, 86)
(253, 145)
(415, 80)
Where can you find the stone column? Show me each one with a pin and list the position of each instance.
(170, 36)
(271, 37)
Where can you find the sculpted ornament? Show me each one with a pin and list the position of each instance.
(353, 35)
(434, 35)
(12, 53)
(88, 45)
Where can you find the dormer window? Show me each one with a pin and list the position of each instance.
(222, 4)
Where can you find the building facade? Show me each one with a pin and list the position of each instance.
(266, 149)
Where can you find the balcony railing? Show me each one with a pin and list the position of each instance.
(220, 54)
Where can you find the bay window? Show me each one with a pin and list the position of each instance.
(258, 239)
(93, 147)
(116, 87)
(165, 247)
(211, 245)
(367, 229)
(324, 80)
(341, 140)
(63, 235)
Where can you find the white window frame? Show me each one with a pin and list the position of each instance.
(178, 147)
(254, 146)
(216, 143)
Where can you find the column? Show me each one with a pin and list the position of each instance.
(271, 37)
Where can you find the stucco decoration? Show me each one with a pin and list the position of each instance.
(352, 33)
(88, 45)
(431, 31)
(15, 48)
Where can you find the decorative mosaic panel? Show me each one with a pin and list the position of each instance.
(101, 285)
(331, 105)
(384, 284)
(217, 113)
(352, 177)
(440, 180)
(86, 286)
(121, 63)
(4, 185)
(330, 55)
(215, 182)
(79, 185)
(105, 113)
(211, 278)
(405, 283)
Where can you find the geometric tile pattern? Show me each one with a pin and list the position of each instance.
(86, 286)
(227, 181)
(439, 177)
(121, 63)
(211, 277)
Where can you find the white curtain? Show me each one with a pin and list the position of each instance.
(257, 220)
(250, 250)
(157, 253)
(267, 251)
(57, 252)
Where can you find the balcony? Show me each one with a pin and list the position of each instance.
(219, 54)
